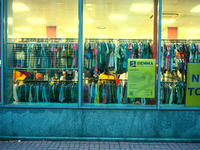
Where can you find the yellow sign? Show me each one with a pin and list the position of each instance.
(193, 85)
(141, 78)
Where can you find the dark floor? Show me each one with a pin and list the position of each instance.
(95, 145)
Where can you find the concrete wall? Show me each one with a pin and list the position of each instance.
(99, 123)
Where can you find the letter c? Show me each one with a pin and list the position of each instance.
(196, 91)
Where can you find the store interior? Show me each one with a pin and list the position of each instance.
(113, 22)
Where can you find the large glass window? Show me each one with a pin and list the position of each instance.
(117, 33)
(180, 46)
(41, 52)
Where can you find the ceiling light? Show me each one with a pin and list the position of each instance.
(168, 21)
(41, 37)
(19, 6)
(16, 35)
(87, 20)
(10, 21)
(194, 31)
(147, 36)
(102, 36)
(23, 29)
(89, 8)
(117, 17)
(128, 30)
(141, 7)
(191, 37)
(196, 9)
(73, 29)
(88, 4)
(36, 20)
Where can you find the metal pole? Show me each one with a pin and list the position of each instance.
(2, 54)
(159, 52)
(80, 46)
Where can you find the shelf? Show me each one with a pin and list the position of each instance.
(37, 43)
(43, 68)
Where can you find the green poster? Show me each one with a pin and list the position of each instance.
(141, 78)
(193, 85)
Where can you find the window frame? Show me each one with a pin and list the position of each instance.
(80, 67)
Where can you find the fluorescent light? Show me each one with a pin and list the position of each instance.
(73, 29)
(41, 37)
(196, 9)
(118, 17)
(128, 30)
(36, 20)
(88, 4)
(19, 6)
(16, 35)
(89, 8)
(10, 21)
(23, 29)
(147, 36)
(141, 7)
(191, 37)
(86, 21)
(10, 37)
(168, 21)
(194, 31)
(102, 36)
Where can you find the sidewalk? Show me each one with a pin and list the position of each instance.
(95, 145)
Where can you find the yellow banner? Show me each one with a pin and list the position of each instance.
(141, 78)
(193, 85)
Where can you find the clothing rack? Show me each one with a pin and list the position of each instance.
(180, 40)
(99, 39)
(108, 79)
(47, 39)
(135, 40)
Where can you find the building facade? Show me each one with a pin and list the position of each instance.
(108, 70)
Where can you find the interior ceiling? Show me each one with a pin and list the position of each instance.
(64, 15)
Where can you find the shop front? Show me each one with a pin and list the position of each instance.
(109, 70)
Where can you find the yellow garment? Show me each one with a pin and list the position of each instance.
(27, 58)
(106, 76)
(97, 100)
(18, 76)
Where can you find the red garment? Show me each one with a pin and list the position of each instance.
(116, 82)
(105, 97)
(54, 58)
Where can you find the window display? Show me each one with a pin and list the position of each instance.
(112, 36)
(180, 45)
(106, 69)
(41, 53)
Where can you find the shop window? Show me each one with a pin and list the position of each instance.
(117, 34)
(180, 46)
(41, 52)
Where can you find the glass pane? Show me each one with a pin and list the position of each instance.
(41, 54)
(180, 45)
(116, 32)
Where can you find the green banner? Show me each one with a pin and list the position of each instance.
(193, 85)
(141, 78)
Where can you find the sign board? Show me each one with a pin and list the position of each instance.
(193, 85)
(141, 78)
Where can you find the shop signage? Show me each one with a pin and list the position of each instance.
(193, 85)
(141, 78)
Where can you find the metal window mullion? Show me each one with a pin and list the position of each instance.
(2, 53)
(159, 52)
(80, 46)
